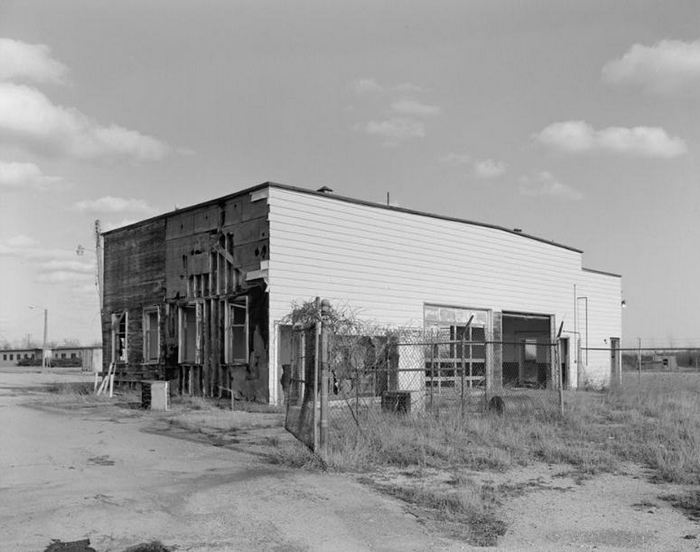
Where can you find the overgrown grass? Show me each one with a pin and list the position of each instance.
(654, 422)
(214, 416)
(79, 388)
(469, 513)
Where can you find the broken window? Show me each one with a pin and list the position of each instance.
(119, 337)
(237, 331)
(151, 341)
(187, 336)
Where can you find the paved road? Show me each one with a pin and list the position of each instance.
(83, 474)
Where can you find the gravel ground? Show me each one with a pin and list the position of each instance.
(117, 480)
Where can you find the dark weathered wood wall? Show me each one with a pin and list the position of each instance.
(134, 276)
(206, 255)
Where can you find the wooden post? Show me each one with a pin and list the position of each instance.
(464, 367)
(214, 351)
(206, 366)
(317, 340)
(432, 372)
(557, 353)
(325, 376)
(639, 359)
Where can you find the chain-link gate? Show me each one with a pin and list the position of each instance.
(300, 392)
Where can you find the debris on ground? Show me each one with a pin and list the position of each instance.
(73, 546)
(84, 546)
(153, 546)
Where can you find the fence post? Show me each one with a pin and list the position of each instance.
(560, 374)
(462, 374)
(317, 339)
(639, 360)
(432, 373)
(557, 353)
(325, 375)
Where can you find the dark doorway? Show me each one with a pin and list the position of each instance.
(526, 349)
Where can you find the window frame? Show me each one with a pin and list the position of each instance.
(237, 303)
(148, 333)
(116, 322)
(198, 311)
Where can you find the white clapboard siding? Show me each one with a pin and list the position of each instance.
(604, 297)
(386, 264)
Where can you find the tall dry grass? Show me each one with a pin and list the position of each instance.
(654, 421)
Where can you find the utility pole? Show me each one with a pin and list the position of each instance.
(44, 359)
(98, 253)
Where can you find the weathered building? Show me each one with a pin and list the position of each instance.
(199, 295)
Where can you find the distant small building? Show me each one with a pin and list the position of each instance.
(664, 362)
(65, 355)
(10, 357)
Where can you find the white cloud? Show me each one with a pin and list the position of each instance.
(410, 107)
(408, 88)
(20, 240)
(395, 130)
(33, 62)
(28, 117)
(111, 225)
(63, 276)
(52, 266)
(78, 267)
(370, 87)
(366, 87)
(456, 159)
(544, 184)
(21, 175)
(640, 141)
(110, 204)
(489, 168)
(402, 121)
(481, 168)
(667, 67)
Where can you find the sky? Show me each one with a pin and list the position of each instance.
(575, 121)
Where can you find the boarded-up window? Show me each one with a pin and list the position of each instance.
(237, 331)
(188, 334)
(151, 341)
(119, 337)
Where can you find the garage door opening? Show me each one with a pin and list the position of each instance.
(526, 350)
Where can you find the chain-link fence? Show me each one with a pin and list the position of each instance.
(360, 378)
(421, 373)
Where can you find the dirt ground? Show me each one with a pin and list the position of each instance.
(116, 480)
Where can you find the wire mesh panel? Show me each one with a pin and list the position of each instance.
(361, 375)
(299, 388)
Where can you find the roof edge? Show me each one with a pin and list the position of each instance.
(602, 272)
(345, 199)
(416, 212)
(195, 206)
